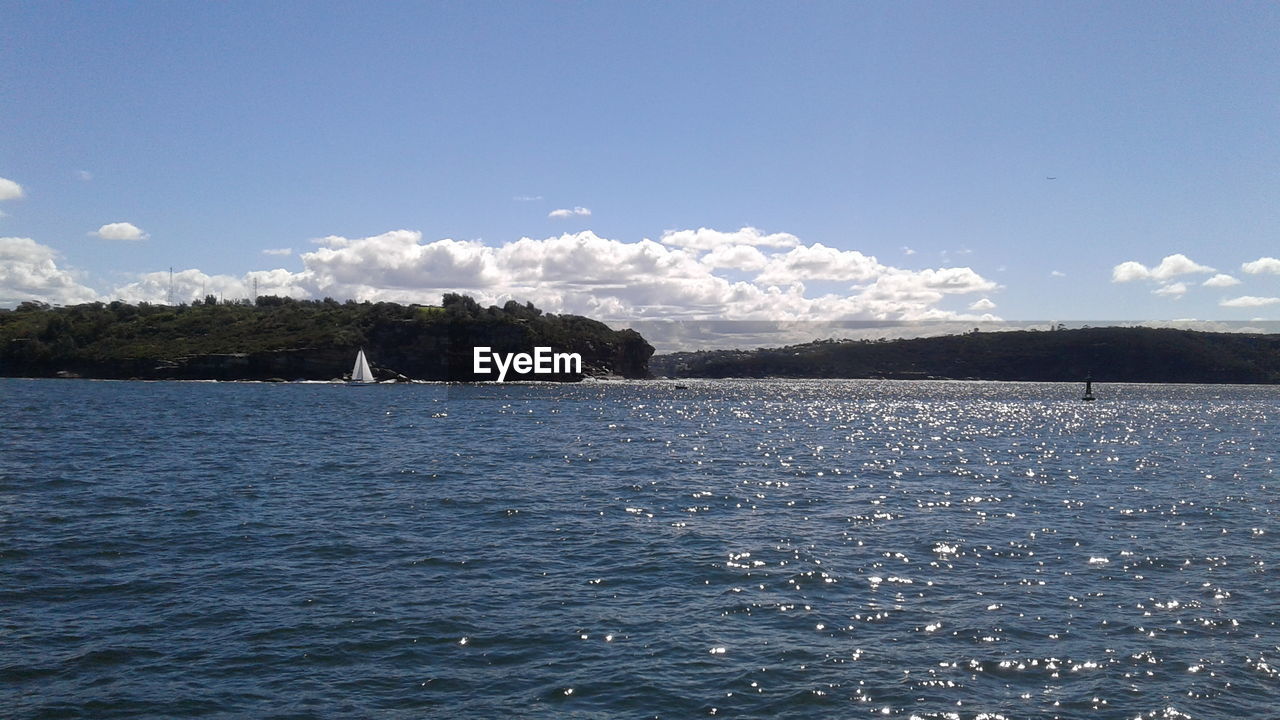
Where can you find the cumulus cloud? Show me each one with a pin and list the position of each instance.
(1262, 265)
(819, 262)
(1175, 290)
(1057, 273)
(10, 190)
(708, 239)
(29, 271)
(1177, 264)
(1220, 280)
(605, 278)
(120, 231)
(189, 285)
(1171, 266)
(907, 251)
(741, 257)
(743, 275)
(1250, 301)
(567, 212)
(278, 251)
(1128, 271)
(396, 263)
(906, 294)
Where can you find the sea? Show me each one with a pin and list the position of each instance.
(736, 548)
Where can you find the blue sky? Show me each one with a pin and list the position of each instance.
(850, 160)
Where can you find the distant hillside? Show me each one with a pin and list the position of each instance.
(282, 338)
(1108, 354)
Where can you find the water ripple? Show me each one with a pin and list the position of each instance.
(731, 549)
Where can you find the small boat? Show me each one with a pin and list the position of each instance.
(360, 373)
(1088, 390)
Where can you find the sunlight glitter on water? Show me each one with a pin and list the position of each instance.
(801, 549)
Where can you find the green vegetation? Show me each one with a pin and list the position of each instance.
(284, 338)
(1108, 354)
(277, 337)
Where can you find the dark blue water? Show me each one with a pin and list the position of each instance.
(736, 549)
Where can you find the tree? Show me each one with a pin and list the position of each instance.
(461, 306)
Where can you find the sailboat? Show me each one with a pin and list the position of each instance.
(1088, 390)
(360, 372)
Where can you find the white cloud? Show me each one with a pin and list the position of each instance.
(29, 271)
(599, 277)
(907, 251)
(189, 285)
(738, 257)
(1129, 270)
(1171, 266)
(708, 239)
(909, 294)
(1262, 265)
(278, 251)
(565, 212)
(1250, 301)
(1175, 290)
(527, 198)
(1268, 326)
(1057, 273)
(1177, 264)
(576, 272)
(819, 262)
(84, 175)
(120, 231)
(396, 263)
(10, 190)
(1220, 280)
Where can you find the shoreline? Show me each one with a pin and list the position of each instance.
(686, 382)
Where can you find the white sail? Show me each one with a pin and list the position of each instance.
(361, 372)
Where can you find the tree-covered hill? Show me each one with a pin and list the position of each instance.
(296, 339)
(1111, 354)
